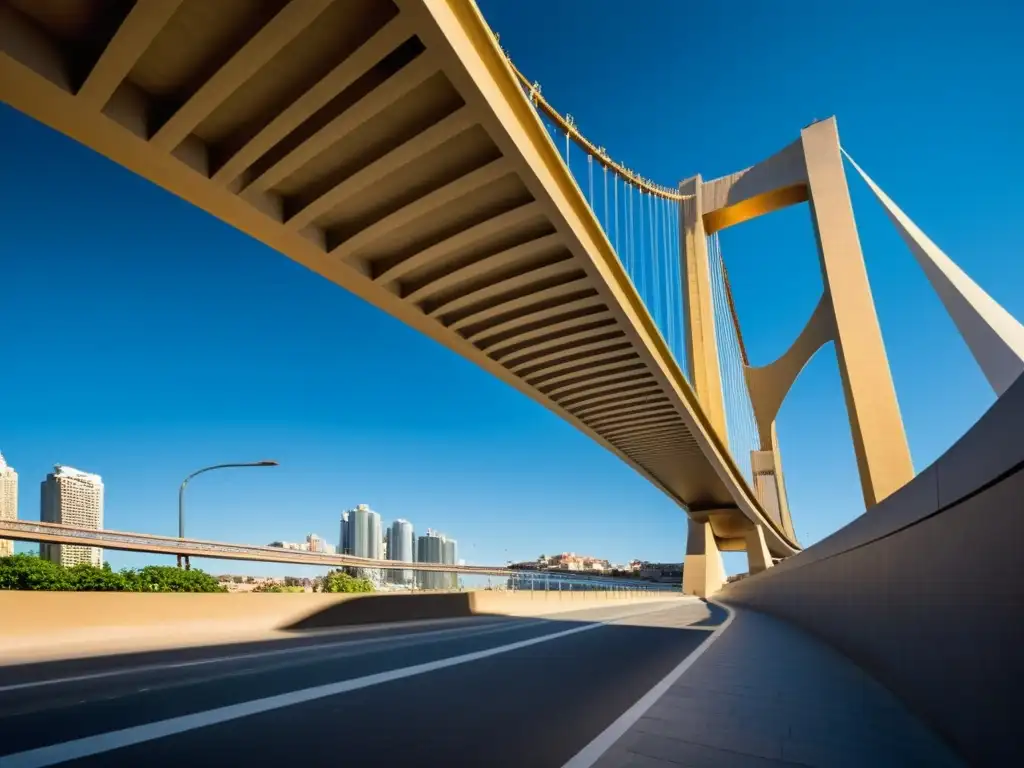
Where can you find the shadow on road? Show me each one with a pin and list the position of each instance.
(372, 609)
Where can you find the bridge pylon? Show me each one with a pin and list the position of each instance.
(808, 170)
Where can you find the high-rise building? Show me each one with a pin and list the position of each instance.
(344, 542)
(8, 502)
(314, 543)
(71, 497)
(450, 558)
(431, 548)
(376, 548)
(365, 539)
(400, 548)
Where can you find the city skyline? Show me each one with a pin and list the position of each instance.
(437, 546)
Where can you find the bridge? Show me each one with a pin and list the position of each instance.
(54, 533)
(395, 149)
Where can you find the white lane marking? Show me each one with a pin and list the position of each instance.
(591, 753)
(105, 742)
(468, 628)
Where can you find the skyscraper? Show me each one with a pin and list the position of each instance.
(376, 534)
(344, 540)
(400, 543)
(431, 549)
(365, 540)
(8, 502)
(450, 558)
(72, 497)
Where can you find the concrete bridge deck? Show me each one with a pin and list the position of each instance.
(389, 147)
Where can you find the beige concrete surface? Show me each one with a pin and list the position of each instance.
(53, 625)
(698, 316)
(879, 440)
(811, 170)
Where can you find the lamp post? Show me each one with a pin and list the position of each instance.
(181, 495)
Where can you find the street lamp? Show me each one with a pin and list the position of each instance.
(181, 495)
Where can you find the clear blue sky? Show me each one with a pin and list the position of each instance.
(144, 349)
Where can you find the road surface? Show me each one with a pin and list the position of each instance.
(486, 691)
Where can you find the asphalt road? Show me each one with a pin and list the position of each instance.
(479, 692)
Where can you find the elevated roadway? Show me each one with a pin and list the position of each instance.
(53, 533)
(388, 147)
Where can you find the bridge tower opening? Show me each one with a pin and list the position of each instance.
(808, 170)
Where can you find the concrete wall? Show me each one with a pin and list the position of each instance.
(924, 590)
(48, 625)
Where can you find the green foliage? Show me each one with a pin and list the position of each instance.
(339, 581)
(29, 572)
(278, 588)
(160, 578)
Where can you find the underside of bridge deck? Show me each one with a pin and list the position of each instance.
(370, 142)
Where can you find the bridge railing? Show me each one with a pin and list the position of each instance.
(25, 530)
(640, 219)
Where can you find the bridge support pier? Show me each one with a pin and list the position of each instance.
(758, 557)
(703, 573)
(879, 440)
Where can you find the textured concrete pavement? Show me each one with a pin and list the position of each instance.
(764, 694)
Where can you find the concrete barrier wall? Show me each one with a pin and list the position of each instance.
(37, 625)
(925, 592)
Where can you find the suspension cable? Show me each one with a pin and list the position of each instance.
(734, 316)
(568, 125)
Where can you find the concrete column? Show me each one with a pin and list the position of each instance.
(698, 309)
(879, 441)
(703, 573)
(780, 487)
(758, 558)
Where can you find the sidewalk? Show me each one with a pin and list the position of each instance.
(766, 695)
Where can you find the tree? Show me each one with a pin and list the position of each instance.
(162, 578)
(339, 581)
(30, 572)
(277, 588)
(268, 588)
(88, 578)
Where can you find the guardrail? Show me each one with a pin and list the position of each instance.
(53, 533)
